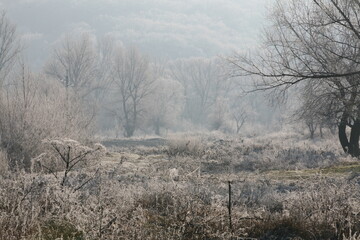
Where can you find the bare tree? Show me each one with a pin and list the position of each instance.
(75, 66)
(317, 110)
(17, 135)
(9, 46)
(203, 83)
(165, 104)
(313, 41)
(33, 108)
(9, 50)
(219, 115)
(106, 51)
(66, 155)
(132, 84)
(240, 117)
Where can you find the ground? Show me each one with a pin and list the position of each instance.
(178, 188)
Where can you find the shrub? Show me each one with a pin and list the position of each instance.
(55, 229)
(186, 147)
(179, 216)
(66, 155)
(282, 229)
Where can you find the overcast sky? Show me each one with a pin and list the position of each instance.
(162, 28)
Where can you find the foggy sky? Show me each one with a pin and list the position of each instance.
(161, 28)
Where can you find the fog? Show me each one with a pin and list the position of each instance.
(137, 68)
(178, 46)
(166, 29)
(179, 119)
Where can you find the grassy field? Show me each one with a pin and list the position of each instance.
(178, 188)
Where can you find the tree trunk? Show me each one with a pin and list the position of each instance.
(342, 134)
(129, 130)
(157, 128)
(312, 128)
(237, 129)
(321, 131)
(354, 139)
(312, 133)
(332, 129)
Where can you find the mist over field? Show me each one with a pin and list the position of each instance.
(162, 29)
(169, 119)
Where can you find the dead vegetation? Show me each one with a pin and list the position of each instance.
(131, 195)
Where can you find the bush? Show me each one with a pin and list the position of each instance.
(282, 229)
(177, 216)
(66, 155)
(133, 200)
(186, 147)
(55, 229)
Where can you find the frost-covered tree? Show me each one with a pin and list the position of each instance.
(239, 115)
(219, 115)
(34, 107)
(74, 64)
(9, 46)
(165, 104)
(132, 83)
(318, 111)
(313, 41)
(203, 81)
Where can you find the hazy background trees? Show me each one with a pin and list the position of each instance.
(35, 105)
(75, 65)
(165, 105)
(204, 82)
(9, 46)
(100, 87)
(132, 83)
(32, 109)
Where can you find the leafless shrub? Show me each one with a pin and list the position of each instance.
(189, 146)
(34, 107)
(19, 207)
(325, 209)
(352, 236)
(54, 229)
(139, 202)
(67, 155)
(176, 215)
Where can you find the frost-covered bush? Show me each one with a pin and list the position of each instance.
(36, 107)
(352, 236)
(271, 152)
(36, 207)
(186, 146)
(66, 155)
(149, 196)
(180, 215)
(324, 208)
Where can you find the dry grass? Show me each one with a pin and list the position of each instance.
(133, 196)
